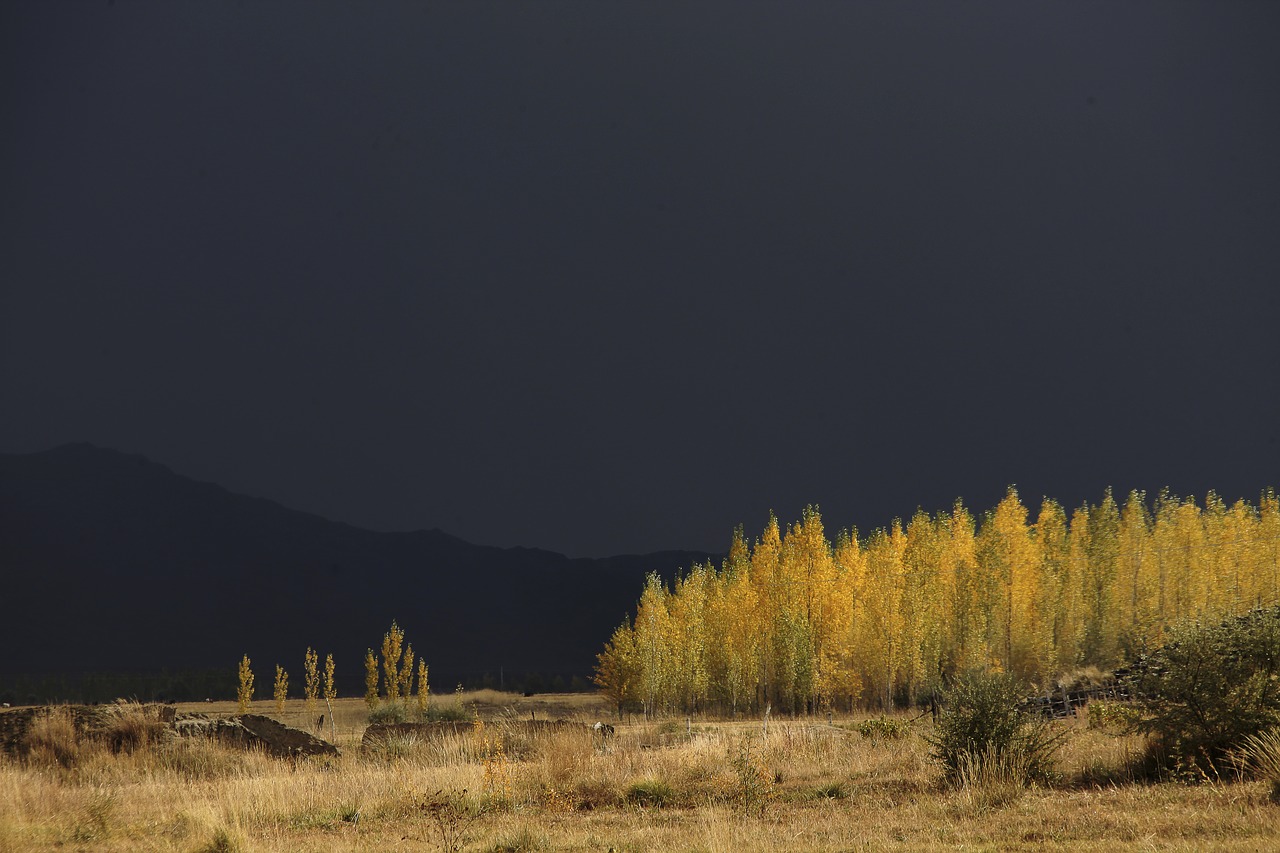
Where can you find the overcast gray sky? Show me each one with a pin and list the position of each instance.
(614, 277)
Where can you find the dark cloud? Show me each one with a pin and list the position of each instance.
(611, 277)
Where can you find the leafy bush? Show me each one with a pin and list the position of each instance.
(884, 728)
(1210, 689)
(755, 781)
(983, 721)
(1112, 716)
(444, 714)
(403, 712)
(388, 712)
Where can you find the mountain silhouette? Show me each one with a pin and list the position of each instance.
(112, 562)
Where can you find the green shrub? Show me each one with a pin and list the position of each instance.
(388, 712)
(983, 721)
(884, 728)
(754, 790)
(1210, 689)
(444, 714)
(1112, 716)
(651, 792)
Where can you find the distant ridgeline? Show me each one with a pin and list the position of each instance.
(92, 687)
(220, 684)
(125, 579)
(796, 622)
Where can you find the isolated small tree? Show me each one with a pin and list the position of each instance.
(370, 679)
(404, 680)
(311, 686)
(424, 688)
(281, 691)
(392, 646)
(330, 689)
(330, 693)
(244, 693)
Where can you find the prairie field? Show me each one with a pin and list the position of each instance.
(822, 783)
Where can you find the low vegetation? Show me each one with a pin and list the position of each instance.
(1210, 691)
(734, 725)
(984, 733)
(496, 783)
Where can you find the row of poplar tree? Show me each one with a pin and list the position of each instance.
(797, 622)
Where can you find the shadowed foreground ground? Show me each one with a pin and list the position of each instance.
(676, 784)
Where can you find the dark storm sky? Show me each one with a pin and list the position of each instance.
(611, 277)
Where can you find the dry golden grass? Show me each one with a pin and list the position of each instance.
(712, 786)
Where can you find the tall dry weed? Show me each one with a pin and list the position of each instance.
(991, 778)
(52, 739)
(1260, 755)
(130, 726)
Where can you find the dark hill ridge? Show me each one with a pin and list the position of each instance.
(113, 562)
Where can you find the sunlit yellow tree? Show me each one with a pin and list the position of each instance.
(311, 680)
(244, 692)
(281, 688)
(370, 679)
(619, 670)
(330, 688)
(424, 689)
(794, 623)
(392, 649)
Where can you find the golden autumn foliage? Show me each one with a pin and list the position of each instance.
(392, 649)
(244, 690)
(796, 622)
(280, 690)
(311, 684)
(424, 687)
(370, 679)
(330, 688)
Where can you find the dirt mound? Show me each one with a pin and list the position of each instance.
(128, 726)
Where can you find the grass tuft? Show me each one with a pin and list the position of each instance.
(522, 840)
(651, 793)
(831, 791)
(223, 841)
(1260, 755)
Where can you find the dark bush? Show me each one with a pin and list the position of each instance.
(983, 720)
(445, 713)
(1209, 690)
(389, 712)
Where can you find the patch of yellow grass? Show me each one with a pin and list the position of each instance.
(828, 788)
